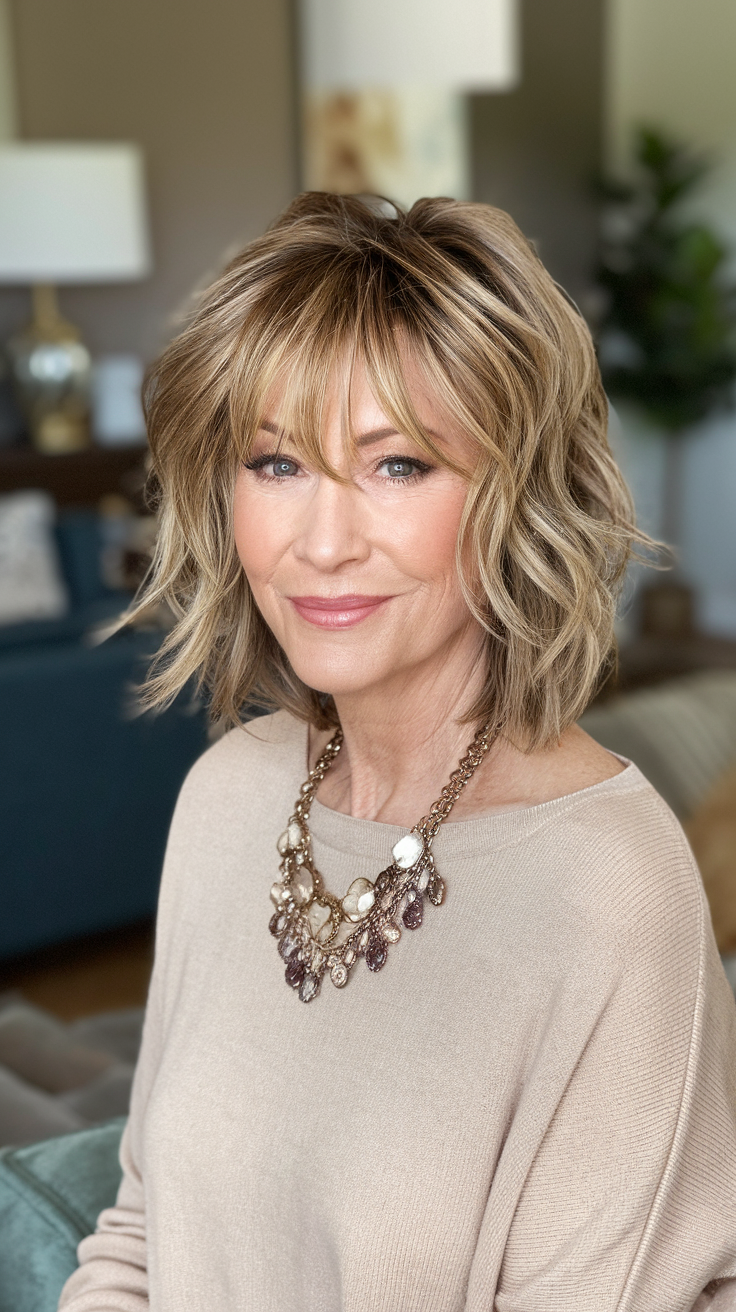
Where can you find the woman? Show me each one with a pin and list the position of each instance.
(388, 508)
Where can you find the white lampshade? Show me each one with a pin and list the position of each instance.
(72, 213)
(465, 45)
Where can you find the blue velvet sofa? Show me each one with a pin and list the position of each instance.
(87, 790)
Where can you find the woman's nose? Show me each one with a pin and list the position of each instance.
(333, 529)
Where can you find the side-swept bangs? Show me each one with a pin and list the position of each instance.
(456, 289)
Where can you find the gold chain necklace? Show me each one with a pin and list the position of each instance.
(308, 919)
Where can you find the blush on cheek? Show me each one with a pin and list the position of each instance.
(256, 532)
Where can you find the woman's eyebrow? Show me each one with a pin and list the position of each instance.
(268, 427)
(375, 435)
(365, 439)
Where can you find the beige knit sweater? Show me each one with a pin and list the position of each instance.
(532, 1108)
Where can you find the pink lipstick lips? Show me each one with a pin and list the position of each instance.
(336, 612)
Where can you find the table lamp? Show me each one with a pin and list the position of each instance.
(69, 213)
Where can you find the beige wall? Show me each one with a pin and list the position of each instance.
(671, 63)
(7, 75)
(206, 89)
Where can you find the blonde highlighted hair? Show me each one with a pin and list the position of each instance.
(547, 527)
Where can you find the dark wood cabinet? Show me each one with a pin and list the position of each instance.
(78, 479)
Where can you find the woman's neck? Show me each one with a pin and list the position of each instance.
(402, 741)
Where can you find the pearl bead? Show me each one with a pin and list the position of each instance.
(408, 850)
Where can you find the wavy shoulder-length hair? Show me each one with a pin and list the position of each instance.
(547, 526)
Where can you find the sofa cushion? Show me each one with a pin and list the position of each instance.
(79, 539)
(51, 1194)
(70, 628)
(682, 735)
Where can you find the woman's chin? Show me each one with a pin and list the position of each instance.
(349, 685)
(340, 679)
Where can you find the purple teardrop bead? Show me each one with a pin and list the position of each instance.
(309, 987)
(295, 972)
(414, 914)
(376, 953)
(288, 946)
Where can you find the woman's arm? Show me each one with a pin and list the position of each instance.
(629, 1203)
(112, 1274)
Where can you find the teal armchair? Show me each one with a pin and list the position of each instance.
(51, 1194)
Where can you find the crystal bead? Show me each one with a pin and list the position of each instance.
(318, 917)
(274, 925)
(317, 959)
(423, 880)
(358, 900)
(414, 913)
(376, 953)
(339, 974)
(436, 890)
(349, 956)
(291, 838)
(364, 938)
(309, 988)
(288, 946)
(408, 850)
(295, 972)
(278, 893)
(302, 889)
(391, 932)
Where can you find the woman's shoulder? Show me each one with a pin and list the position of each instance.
(265, 753)
(640, 875)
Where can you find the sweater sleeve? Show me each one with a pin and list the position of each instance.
(112, 1274)
(630, 1201)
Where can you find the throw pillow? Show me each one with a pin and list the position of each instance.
(31, 584)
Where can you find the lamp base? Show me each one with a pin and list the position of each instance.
(51, 373)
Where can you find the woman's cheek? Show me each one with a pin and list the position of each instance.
(258, 527)
(424, 533)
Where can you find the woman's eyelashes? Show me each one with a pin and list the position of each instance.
(281, 467)
(403, 469)
(276, 468)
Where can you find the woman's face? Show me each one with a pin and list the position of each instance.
(358, 581)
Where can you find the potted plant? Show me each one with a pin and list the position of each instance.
(667, 334)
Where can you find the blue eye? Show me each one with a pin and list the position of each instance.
(271, 466)
(400, 468)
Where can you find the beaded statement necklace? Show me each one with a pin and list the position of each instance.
(317, 931)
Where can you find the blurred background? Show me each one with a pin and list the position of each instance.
(140, 143)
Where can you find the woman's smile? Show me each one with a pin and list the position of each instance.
(337, 612)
